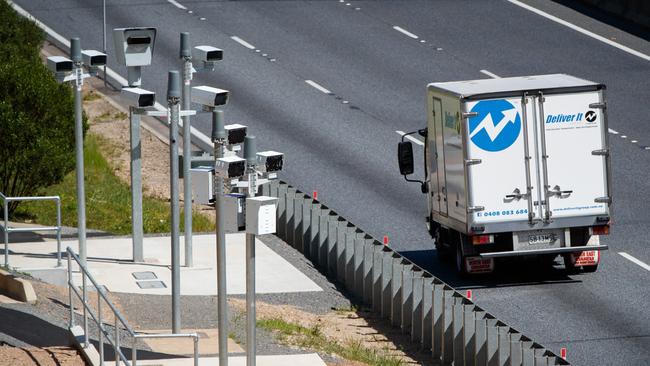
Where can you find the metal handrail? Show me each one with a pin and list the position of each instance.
(6, 229)
(114, 340)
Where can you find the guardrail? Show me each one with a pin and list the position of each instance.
(442, 320)
(103, 333)
(6, 229)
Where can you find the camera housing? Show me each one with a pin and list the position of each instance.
(236, 133)
(93, 59)
(208, 96)
(139, 97)
(230, 167)
(134, 46)
(59, 64)
(269, 161)
(207, 54)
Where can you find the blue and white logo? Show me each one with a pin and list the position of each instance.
(497, 125)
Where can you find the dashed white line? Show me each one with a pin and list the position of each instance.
(409, 137)
(242, 42)
(581, 30)
(177, 4)
(318, 86)
(490, 74)
(635, 261)
(405, 32)
(613, 132)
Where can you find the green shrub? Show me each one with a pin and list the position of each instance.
(36, 113)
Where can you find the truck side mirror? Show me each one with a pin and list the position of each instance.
(405, 157)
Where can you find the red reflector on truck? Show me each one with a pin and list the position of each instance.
(482, 239)
(586, 258)
(599, 230)
(479, 265)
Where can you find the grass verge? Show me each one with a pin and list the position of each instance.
(108, 200)
(312, 338)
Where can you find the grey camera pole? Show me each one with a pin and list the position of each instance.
(75, 54)
(136, 185)
(219, 140)
(186, 55)
(173, 103)
(104, 35)
(250, 154)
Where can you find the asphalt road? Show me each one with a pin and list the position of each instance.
(339, 137)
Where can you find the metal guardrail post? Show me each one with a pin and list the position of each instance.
(516, 348)
(377, 262)
(298, 203)
(134, 352)
(290, 221)
(196, 351)
(349, 259)
(101, 329)
(305, 224)
(343, 229)
(386, 280)
(504, 345)
(368, 263)
(407, 296)
(396, 291)
(5, 229)
(85, 306)
(493, 342)
(117, 343)
(357, 257)
(71, 320)
(314, 228)
(416, 305)
(450, 299)
(58, 232)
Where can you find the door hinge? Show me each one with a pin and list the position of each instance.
(598, 105)
(469, 162)
(601, 152)
(469, 114)
(607, 200)
(475, 209)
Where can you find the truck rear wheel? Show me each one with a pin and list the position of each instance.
(461, 268)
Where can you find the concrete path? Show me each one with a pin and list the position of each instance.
(109, 262)
(311, 359)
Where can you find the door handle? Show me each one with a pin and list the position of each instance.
(516, 195)
(557, 191)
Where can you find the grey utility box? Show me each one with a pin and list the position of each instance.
(202, 184)
(234, 212)
(261, 215)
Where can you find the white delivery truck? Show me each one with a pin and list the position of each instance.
(516, 167)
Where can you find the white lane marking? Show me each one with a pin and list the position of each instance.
(581, 30)
(177, 4)
(404, 31)
(490, 74)
(318, 86)
(613, 132)
(634, 260)
(242, 42)
(409, 137)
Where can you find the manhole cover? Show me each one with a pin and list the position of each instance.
(144, 275)
(151, 284)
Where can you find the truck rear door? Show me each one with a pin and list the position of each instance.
(574, 159)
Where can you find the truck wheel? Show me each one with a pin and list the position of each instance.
(435, 231)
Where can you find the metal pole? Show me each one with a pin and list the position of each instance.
(85, 305)
(219, 139)
(71, 321)
(134, 352)
(173, 103)
(101, 329)
(58, 232)
(136, 185)
(250, 153)
(186, 55)
(118, 360)
(104, 35)
(6, 233)
(75, 53)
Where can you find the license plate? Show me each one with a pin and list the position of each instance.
(537, 239)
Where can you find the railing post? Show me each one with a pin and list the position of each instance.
(196, 350)
(101, 329)
(134, 352)
(71, 321)
(117, 343)
(58, 232)
(5, 230)
(85, 304)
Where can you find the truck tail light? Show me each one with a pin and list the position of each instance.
(482, 239)
(599, 230)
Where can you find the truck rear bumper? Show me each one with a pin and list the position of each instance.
(512, 253)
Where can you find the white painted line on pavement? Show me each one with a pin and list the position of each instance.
(409, 137)
(635, 261)
(581, 30)
(490, 74)
(177, 4)
(318, 86)
(613, 132)
(242, 42)
(404, 31)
